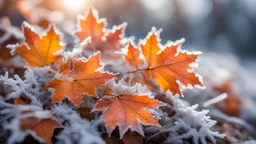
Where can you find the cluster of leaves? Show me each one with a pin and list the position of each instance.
(116, 95)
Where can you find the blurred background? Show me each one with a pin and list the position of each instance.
(222, 26)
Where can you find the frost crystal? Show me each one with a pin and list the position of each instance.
(76, 130)
(30, 87)
(12, 116)
(191, 124)
(125, 87)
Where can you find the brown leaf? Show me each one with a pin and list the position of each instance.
(85, 112)
(132, 138)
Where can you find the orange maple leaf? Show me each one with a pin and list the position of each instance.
(166, 65)
(79, 78)
(127, 111)
(101, 39)
(43, 128)
(37, 51)
(132, 57)
(113, 38)
(91, 26)
(232, 104)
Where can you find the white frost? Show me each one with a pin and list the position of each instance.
(189, 123)
(76, 130)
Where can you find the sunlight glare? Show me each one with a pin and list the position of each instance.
(74, 6)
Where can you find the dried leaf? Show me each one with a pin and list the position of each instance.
(130, 138)
(111, 140)
(85, 113)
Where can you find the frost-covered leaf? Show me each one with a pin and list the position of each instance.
(127, 111)
(133, 57)
(43, 128)
(78, 79)
(25, 120)
(40, 51)
(165, 65)
(95, 37)
(91, 26)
